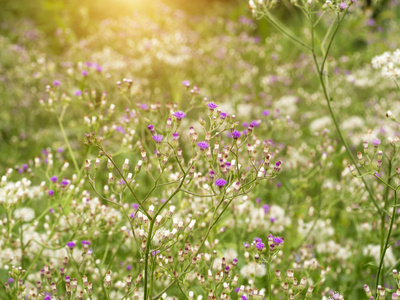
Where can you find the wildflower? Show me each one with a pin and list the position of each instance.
(203, 145)
(343, 5)
(151, 128)
(179, 115)
(212, 106)
(257, 240)
(85, 242)
(85, 73)
(51, 193)
(236, 134)
(71, 245)
(56, 83)
(78, 93)
(376, 142)
(220, 182)
(186, 83)
(175, 136)
(53, 179)
(223, 115)
(278, 240)
(260, 246)
(158, 138)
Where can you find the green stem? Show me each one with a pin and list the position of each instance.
(71, 153)
(387, 241)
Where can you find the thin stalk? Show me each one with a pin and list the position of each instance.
(71, 153)
(387, 240)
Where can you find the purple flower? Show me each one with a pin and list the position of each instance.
(237, 290)
(53, 179)
(260, 246)
(78, 93)
(158, 138)
(257, 240)
(265, 112)
(343, 5)
(186, 83)
(203, 145)
(64, 182)
(223, 115)
(51, 193)
(151, 128)
(278, 185)
(220, 182)
(120, 129)
(175, 136)
(47, 298)
(56, 83)
(129, 267)
(84, 242)
(266, 208)
(24, 167)
(85, 73)
(135, 206)
(236, 134)
(10, 280)
(51, 210)
(278, 240)
(212, 106)
(144, 106)
(243, 297)
(376, 142)
(179, 115)
(246, 245)
(71, 245)
(60, 150)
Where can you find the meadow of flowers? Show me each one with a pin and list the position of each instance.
(246, 151)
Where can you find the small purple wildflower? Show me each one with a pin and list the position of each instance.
(257, 240)
(85, 73)
(175, 136)
(212, 106)
(243, 297)
(376, 142)
(135, 206)
(64, 182)
(144, 106)
(223, 115)
(246, 245)
(10, 280)
(50, 193)
(343, 5)
(84, 242)
(266, 208)
(278, 240)
(51, 210)
(53, 179)
(56, 82)
(260, 246)
(129, 267)
(158, 138)
(78, 93)
(236, 134)
(237, 290)
(179, 115)
(186, 83)
(220, 182)
(203, 145)
(71, 245)
(265, 112)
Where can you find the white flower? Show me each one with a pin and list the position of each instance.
(253, 268)
(26, 214)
